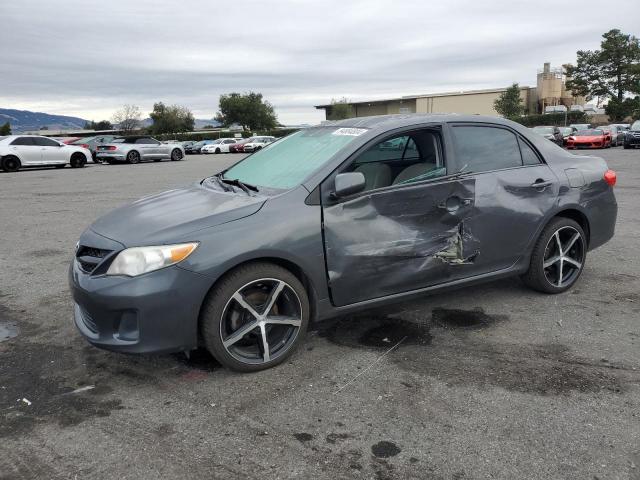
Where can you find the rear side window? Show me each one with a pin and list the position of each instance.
(529, 157)
(23, 141)
(45, 142)
(146, 141)
(484, 148)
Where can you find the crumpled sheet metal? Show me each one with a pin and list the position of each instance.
(378, 247)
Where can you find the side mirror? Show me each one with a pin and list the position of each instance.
(348, 184)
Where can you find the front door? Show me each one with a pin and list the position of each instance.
(406, 231)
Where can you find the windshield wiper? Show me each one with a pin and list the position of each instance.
(244, 186)
(221, 183)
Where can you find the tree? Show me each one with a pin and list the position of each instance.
(509, 104)
(5, 129)
(340, 109)
(620, 110)
(171, 119)
(101, 125)
(127, 118)
(610, 72)
(248, 110)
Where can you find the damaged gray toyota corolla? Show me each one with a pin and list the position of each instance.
(332, 219)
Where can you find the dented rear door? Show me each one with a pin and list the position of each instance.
(397, 240)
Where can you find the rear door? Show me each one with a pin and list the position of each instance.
(26, 150)
(514, 190)
(406, 230)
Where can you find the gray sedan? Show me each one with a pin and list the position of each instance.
(136, 149)
(329, 221)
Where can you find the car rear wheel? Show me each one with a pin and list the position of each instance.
(176, 155)
(77, 160)
(255, 317)
(558, 257)
(11, 164)
(133, 157)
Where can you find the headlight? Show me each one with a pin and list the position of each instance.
(138, 260)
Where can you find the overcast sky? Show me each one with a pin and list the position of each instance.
(87, 58)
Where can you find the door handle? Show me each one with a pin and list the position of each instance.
(540, 183)
(453, 203)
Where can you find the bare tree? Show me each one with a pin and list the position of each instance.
(127, 118)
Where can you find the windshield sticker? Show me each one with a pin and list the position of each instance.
(351, 132)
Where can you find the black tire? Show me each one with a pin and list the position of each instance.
(540, 277)
(217, 150)
(11, 163)
(133, 157)
(627, 147)
(176, 155)
(219, 309)
(78, 160)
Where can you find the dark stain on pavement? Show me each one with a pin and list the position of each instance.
(375, 331)
(303, 437)
(385, 449)
(464, 319)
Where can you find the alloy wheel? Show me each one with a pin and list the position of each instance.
(564, 257)
(176, 155)
(133, 157)
(260, 322)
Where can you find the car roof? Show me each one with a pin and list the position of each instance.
(388, 122)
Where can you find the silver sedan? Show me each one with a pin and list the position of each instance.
(137, 149)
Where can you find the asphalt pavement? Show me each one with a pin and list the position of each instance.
(494, 381)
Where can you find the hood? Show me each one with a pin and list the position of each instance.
(171, 216)
(589, 138)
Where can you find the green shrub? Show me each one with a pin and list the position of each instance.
(555, 119)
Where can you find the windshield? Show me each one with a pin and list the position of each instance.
(288, 162)
(543, 129)
(588, 133)
(636, 126)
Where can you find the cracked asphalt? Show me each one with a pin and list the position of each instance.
(493, 381)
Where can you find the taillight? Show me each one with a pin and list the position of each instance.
(84, 145)
(610, 177)
(111, 147)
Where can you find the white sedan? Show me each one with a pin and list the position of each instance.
(258, 143)
(17, 151)
(219, 146)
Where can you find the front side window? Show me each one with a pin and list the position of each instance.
(290, 161)
(408, 158)
(484, 148)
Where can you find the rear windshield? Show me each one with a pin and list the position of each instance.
(288, 162)
(589, 133)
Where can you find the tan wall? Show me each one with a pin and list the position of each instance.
(480, 103)
(394, 107)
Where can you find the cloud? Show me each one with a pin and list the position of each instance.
(87, 58)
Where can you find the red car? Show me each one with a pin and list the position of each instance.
(238, 147)
(592, 138)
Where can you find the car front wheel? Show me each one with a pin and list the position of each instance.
(255, 317)
(558, 257)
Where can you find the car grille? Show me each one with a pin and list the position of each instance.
(89, 257)
(88, 320)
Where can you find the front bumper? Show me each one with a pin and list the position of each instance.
(632, 140)
(585, 144)
(153, 313)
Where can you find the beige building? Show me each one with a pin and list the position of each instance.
(551, 82)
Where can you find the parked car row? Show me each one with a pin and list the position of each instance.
(584, 135)
(228, 145)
